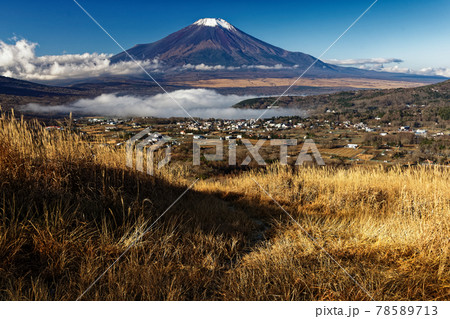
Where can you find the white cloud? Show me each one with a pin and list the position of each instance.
(266, 67)
(201, 103)
(18, 60)
(379, 64)
(435, 71)
(398, 69)
(204, 67)
(376, 61)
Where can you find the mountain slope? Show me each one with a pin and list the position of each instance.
(14, 92)
(215, 42)
(216, 45)
(435, 95)
(10, 86)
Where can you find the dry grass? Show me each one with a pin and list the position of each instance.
(68, 209)
(389, 228)
(344, 151)
(312, 82)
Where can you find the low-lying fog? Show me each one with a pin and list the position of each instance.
(202, 103)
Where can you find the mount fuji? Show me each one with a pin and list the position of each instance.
(215, 42)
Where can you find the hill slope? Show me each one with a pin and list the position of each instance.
(70, 208)
(431, 95)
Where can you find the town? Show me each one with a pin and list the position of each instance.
(339, 142)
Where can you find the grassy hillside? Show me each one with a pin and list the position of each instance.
(69, 208)
(435, 96)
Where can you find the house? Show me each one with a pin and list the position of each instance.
(155, 137)
(352, 146)
(421, 132)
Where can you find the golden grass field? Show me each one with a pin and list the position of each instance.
(68, 209)
(313, 82)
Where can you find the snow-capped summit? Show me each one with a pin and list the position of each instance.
(213, 22)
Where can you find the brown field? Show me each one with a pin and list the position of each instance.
(343, 151)
(261, 82)
(69, 208)
(365, 157)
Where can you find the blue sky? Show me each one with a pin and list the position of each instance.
(416, 31)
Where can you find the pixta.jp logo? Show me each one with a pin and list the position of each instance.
(151, 142)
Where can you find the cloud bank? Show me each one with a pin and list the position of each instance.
(364, 61)
(18, 60)
(204, 67)
(378, 64)
(202, 103)
(398, 69)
